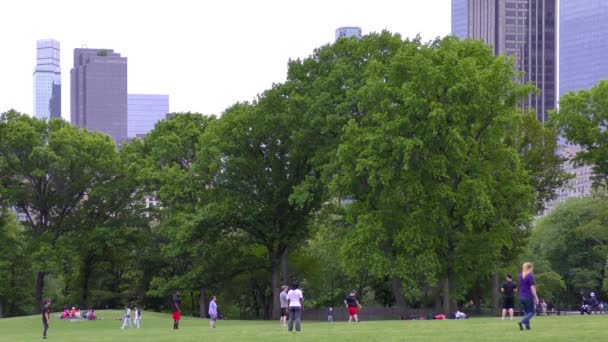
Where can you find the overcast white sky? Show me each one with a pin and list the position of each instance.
(205, 54)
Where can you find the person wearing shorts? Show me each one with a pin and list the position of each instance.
(284, 307)
(177, 312)
(352, 304)
(213, 312)
(508, 290)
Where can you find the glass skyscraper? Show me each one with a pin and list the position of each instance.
(47, 80)
(523, 29)
(583, 44)
(348, 31)
(99, 92)
(144, 112)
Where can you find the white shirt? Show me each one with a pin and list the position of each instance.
(294, 297)
(128, 312)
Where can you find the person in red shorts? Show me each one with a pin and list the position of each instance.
(177, 313)
(352, 304)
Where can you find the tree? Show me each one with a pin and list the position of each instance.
(258, 160)
(15, 267)
(572, 239)
(61, 178)
(438, 192)
(581, 118)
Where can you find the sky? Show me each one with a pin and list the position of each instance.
(206, 55)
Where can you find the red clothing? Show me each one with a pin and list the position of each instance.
(352, 310)
(177, 315)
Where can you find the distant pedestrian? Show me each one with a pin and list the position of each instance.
(213, 312)
(352, 304)
(594, 303)
(177, 312)
(508, 290)
(46, 316)
(295, 301)
(126, 319)
(284, 307)
(330, 314)
(136, 316)
(527, 294)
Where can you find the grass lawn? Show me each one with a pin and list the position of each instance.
(158, 327)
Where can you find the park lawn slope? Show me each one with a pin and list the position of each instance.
(158, 327)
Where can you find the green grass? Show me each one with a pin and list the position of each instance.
(158, 327)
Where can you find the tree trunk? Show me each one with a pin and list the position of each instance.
(446, 295)
(38, 294)
(397, 286)
(275, 264)
(86, 275)
(1, 309)
(202, 302)
(285, 265)
(495, 291)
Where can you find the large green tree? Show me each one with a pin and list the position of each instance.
(62, 179)
(258, 158)
(438, 192)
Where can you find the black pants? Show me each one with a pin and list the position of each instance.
(295, 314)
(46, 327)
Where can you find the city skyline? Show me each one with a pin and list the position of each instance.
(144, 111)
(205, 56)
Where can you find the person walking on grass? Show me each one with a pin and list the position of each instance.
(352, 304)
(527, 294)
(136, 316)
(295, 302)
(213, 312)
(175, 307)
(46, 317)
(126, 319)
(508, 290)
(284, 308)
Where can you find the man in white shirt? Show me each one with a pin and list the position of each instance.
(126, 320)
(295, 301)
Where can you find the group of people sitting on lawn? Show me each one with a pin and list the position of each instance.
(77, 314)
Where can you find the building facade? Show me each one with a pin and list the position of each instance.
(349, 31)
(144, 111)
(99, 92)
(47, 80)
(522, 29)
(578, 187)
(583, 44)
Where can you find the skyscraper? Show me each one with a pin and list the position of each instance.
(523, 29)
(348, 31)
(144, 112)
(99, 92)
(583, 44)
(47, 80)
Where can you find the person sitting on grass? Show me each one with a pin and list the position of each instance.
(92, 314)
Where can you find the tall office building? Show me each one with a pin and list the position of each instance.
(583, 44)
(523, 29)
(47, 80)
(99, 92)
(348, 31)
(144, 111)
